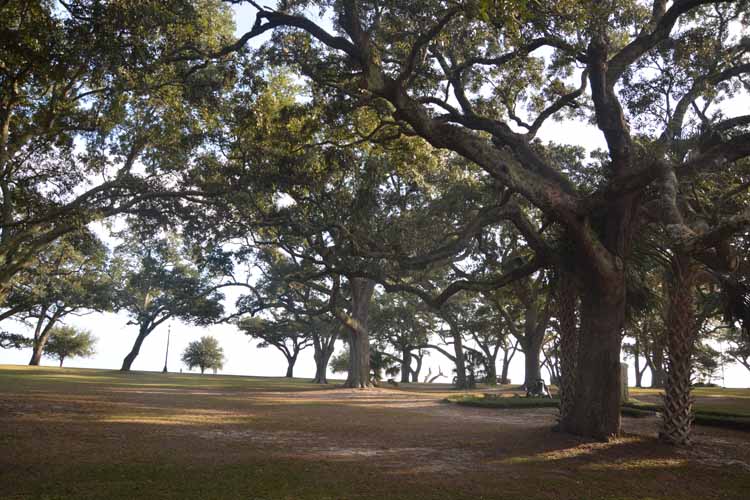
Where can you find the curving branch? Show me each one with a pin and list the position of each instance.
(662, 22)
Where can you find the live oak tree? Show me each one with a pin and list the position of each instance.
(490, 336)
(526, 309)
(290, 289)
(426, 66)
(738, 347)
(93, 108)
(156, 281)
(675, 95)
(706, 363)
(286, 333)
(735, 296)
(204, 353)
(323, 195)
(67, 341)
(379, 364)
(71, 277)
(13, 340)
(401, 322)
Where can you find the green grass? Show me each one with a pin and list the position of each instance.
(708, 399)
(21, 377)
(704, 415)
(507, 402)
(70, 434)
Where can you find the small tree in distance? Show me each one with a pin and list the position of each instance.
(204, 353)
(69, 342)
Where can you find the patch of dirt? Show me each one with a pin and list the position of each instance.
(319, 447)
(401, 435)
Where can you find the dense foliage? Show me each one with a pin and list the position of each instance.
(204, 353)
(383, 174)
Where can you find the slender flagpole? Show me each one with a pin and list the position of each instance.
(166, 356)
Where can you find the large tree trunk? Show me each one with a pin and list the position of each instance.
(321, 367)
(143, 332)
(359, 339)
(290, 366)
(504, 371)
(359, 362)
(596, 406)
(531, 343)
(322, 357)
(491, 370)
(508, 355)
(459, 358)
(324, 346)
(37, 351)
(681, 334)
(405, 366)
(567, 299)
(532, 365)
(418, 369)
(41, 336)
(658, 373)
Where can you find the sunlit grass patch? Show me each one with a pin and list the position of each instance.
(637, 464)
(503, 402)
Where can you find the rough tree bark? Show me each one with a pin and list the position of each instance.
(41, 334)
(596, 404)
(491, 370)
(321, 366)
(532, 349)
(291, 361)
(681, 334)
(459, 359)
(567, 298)
(596, 407)
(405, 365)
(415, 372)
(324, 347)
(535, 325)
(359, 339)
(658, 372)
(143, 332)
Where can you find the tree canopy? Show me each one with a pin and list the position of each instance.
(69, 342)
(204, 353)
(380, 173)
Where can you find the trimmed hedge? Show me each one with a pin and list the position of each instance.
(504, 402)
(632, 408)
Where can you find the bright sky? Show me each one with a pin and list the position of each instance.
(243, 357)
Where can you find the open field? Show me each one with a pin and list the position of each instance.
(91, 434)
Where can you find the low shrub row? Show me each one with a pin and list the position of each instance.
(633, 408)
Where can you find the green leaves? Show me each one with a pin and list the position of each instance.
(69, 342)
(157, 281)
(204, 353)
(97, 100)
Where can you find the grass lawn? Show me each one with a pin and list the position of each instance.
(716, 407)
(96, 434)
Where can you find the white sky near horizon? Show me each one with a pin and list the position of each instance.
(243, 357)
